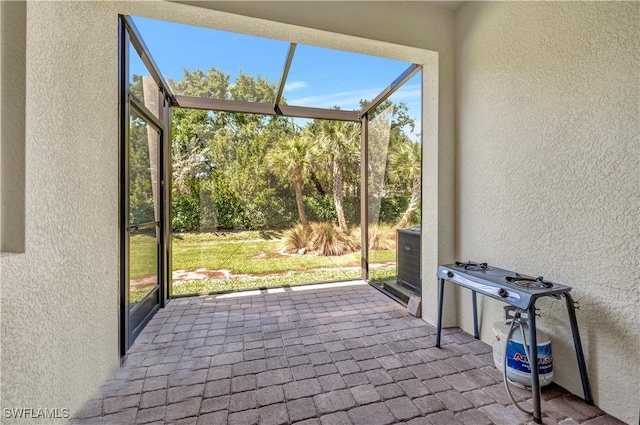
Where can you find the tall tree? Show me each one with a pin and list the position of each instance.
(141, 200)
(291, 159)
(232, 146)
(405, 162)
(214, 84)
(192, 129)
(379, 132)
(340, 145)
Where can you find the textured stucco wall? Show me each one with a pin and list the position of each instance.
(548, 175)
(59, 327)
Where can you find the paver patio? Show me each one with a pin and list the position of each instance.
(324, 354)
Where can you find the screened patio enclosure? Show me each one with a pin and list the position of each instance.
(149, 165)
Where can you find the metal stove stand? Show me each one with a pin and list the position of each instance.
(493, 282)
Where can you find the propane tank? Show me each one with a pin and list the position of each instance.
(518, 368)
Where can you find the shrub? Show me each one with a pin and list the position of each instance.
(381, 237)
(352, 209)
(296, 238)
(217, 208)
(279, 212)
(392, 208)
(327, 239)
(320, 208)
(320, 238)
(227, 209)
(185, 212)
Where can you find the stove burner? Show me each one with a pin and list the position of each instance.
(529, 282)
(470, 265)
(519, 290)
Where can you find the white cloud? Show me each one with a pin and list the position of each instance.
(345, 99)
(408, 93)
(295, 85)
(350, 99)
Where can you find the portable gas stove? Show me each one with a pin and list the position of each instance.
(520, 291)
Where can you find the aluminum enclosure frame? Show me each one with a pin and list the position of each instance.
(271, 109)
(128, 103)
(261, 108)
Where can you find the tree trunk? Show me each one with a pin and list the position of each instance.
(411, 208)
(338, 196)
(301, 213)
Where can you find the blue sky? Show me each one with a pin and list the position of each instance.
(318, 77)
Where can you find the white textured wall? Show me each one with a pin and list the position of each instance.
(548, 173)
(59, 327)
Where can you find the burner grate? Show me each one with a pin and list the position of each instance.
(470, 265)
(517, 289)
(529, 282)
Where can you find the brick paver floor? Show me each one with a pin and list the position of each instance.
(318, 355)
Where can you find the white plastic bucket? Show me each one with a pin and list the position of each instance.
(518, 368)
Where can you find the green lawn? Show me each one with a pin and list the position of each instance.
(254, 255)
(299, 278)
(143, 265)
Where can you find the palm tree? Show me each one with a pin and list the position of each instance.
(291, 158)
(339, 141)
(405, 163)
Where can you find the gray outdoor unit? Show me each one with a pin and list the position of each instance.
(408, 258)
